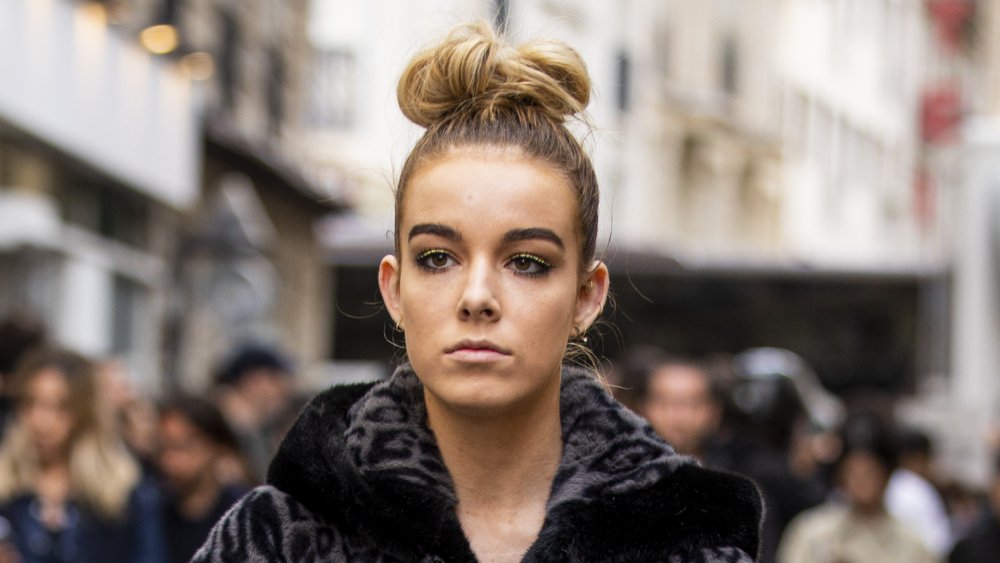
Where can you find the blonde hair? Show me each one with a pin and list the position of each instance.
(102, 473)
(472, 89)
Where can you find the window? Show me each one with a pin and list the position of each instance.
(624, 81)
(105, 211)
(125, 319)
(275, 85)
(229, 58)
(332, 96)
(6, 161)
(661, 49)
(729, 65)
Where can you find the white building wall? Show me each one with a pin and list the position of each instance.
(82, 102)
(70, 81)
(851, 71)
(85, 306)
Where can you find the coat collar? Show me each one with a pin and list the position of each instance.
(363, 457)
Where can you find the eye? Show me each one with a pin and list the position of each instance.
(435, 260)
(529, 265)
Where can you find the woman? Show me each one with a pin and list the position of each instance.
(485, 445)
(68, 488)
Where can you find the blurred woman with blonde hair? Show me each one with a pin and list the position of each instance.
(69, 489)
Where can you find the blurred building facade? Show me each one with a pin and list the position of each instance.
(249, 266)
(99, 158)
(154, 205)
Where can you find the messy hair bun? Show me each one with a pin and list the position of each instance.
(473, 90)
(473, 70)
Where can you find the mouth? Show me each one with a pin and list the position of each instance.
(477, 351)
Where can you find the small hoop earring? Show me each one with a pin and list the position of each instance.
(581, 335)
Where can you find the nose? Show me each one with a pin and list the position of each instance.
(479, 298)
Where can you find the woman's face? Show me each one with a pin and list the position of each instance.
(46, 413)
(488, 285)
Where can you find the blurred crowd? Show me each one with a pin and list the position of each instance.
(841, 483)
(90, 470)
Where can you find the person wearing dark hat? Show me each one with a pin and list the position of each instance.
(764, 411)
(254, 389)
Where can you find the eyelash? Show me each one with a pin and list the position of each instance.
(422, 257)
(543, 264)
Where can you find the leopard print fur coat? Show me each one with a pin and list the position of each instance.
(359, 478)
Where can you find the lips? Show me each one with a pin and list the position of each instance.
(477, 351)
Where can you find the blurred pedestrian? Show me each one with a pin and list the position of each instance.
(194, 439)
(683, 405)
(764, 412)
(134, 414)
(629, 375)
(912, 496)
(982, 543)
(854, 526)
(254, 389)
(68, 488)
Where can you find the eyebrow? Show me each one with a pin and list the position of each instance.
(536, 233)
(435, 229)
(511, 236)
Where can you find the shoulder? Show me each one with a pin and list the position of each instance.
(711, 508)
(809, 527)
(267, 525)
(692, 513)
(817, 520)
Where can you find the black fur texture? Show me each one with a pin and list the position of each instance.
(359, 478)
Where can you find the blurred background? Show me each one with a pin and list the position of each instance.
(181, 177)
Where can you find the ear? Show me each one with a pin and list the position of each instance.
(592, 295)
(388, 286)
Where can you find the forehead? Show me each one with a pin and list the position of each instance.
(680, 375)
(490, 187)
(47, 380)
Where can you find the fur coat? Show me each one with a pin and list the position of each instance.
(360, 478)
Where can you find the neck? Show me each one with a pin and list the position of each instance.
(54, 463)
(502, 467)
(868, 510)
(52, 483)
(505, 459)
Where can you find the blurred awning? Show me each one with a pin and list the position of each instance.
(260, 160)
(652, 263)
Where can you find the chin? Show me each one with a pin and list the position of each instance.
(483, 398)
